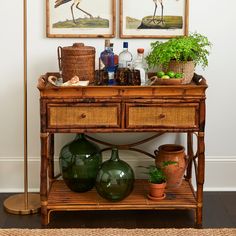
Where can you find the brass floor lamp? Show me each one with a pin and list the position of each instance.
(26, 203)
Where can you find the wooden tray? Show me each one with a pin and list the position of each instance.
(196, 88)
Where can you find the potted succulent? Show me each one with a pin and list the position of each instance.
(157, 180)
(180, 54)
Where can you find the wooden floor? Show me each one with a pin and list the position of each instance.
(219, 211)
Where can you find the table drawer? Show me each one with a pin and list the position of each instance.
(89, 115)
(162, 115)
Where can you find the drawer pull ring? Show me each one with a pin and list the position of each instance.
(162, 116)
(83, 116)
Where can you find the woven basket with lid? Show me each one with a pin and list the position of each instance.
(77, 60)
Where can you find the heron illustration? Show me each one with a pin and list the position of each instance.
(75, 3)
(161, 20)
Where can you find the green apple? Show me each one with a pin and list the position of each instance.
(165, 77)
(179, 75)
(160, 74)
(171, 74)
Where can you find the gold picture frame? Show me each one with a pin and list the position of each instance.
(157, 19)
(80, 18)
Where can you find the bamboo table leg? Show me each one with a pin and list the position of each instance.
(43, 177)
(200, 180)
(51, 159)
(190, 155)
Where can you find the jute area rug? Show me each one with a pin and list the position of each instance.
(118, 232)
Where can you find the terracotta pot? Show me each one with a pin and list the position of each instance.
(157, 190)
(173, 172)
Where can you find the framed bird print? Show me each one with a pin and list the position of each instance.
(153, 18)
(80, 18)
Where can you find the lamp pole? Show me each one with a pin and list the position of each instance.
(26, 203)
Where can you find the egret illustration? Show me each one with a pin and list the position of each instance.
(75, 3)
(161, 20)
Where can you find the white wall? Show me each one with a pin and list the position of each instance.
(212, 18)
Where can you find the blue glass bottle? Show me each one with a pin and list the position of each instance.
(107, 58)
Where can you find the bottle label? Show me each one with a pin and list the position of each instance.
(125, 64)
(111, 77)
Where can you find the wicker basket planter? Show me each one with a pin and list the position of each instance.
(187, 68)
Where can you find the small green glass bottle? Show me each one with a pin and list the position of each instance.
(115, 178)
(80, 161)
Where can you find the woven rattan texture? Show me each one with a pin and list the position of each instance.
(186, 68)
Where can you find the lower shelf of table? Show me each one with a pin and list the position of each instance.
(61, 198)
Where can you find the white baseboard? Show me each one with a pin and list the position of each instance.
(220, 172)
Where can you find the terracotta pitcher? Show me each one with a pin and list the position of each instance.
(174, 172)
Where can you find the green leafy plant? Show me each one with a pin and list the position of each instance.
(156, 174)
(194, 47)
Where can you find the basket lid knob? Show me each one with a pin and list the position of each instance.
(78, 45)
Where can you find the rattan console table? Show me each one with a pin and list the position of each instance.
(111, 109)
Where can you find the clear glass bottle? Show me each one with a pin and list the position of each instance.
(139, 64)
(125, 57)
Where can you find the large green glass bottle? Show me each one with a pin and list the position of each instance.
(115, 178)
(80, 161)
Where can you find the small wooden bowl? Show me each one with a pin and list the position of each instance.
(172, 81)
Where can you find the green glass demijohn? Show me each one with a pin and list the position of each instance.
(115, 178)
(80, 161)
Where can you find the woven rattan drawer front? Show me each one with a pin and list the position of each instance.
(162, 115)
(89, 115)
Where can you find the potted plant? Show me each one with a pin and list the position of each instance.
(180, 54)
(157, 180)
